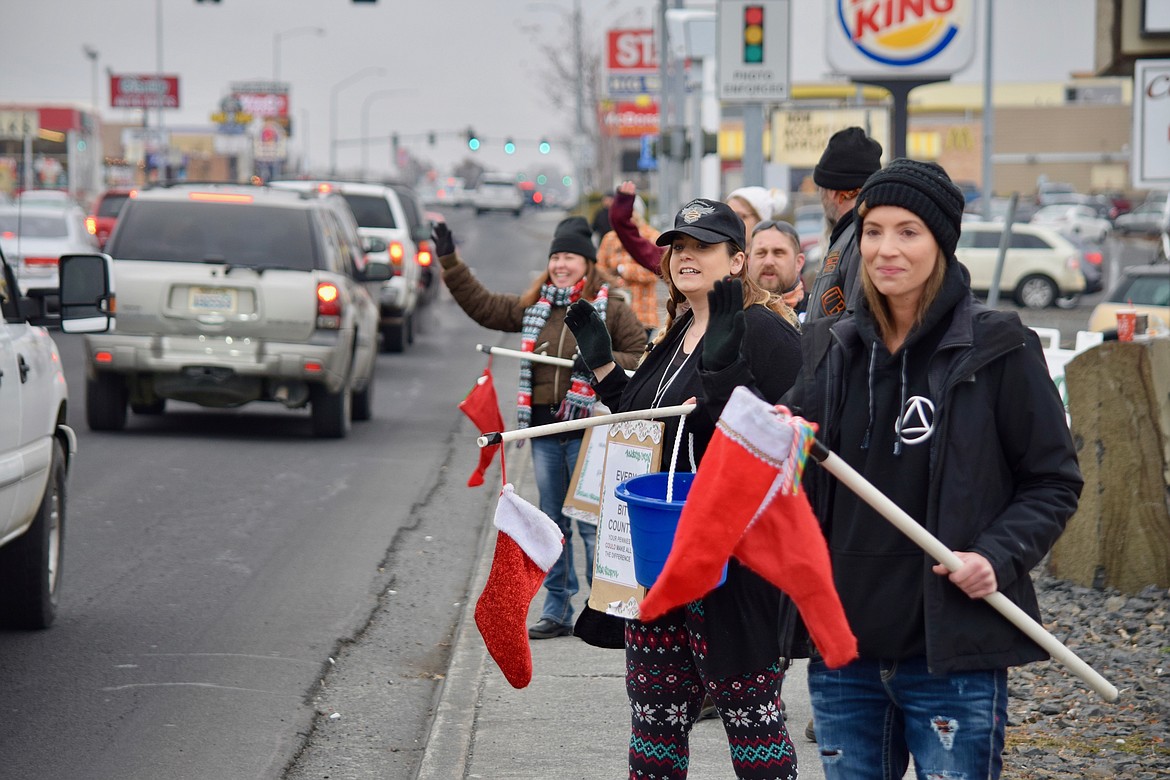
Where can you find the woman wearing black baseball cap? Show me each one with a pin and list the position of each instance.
(722, 331)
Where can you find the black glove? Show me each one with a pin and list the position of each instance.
(725, 324)
(444, 240)
(592, 337)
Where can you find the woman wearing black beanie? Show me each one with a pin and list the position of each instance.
(946, 406)
(551, 393)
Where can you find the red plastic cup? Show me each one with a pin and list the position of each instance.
(1126, 324)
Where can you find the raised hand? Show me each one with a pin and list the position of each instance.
(443, 238)
(592, 336)
(725, 324)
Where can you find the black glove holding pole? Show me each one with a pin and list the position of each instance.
(725, 324)
(444, 242)
(592, 336)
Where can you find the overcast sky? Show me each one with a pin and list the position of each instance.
(457, 62)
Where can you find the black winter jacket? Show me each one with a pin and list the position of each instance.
(1003, 475)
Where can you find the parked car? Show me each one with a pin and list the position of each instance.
(1090, 259)
(221, 295)
(100, 223)
(393, 214)
(497, 192)
(1147, 289)
(45, 197)
(809, 222)
(1049, 192)
(1040, 266)
(37, 447)
(1076, 220)
(34, 237)
(1144, 221)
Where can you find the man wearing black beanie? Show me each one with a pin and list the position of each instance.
(849, 159)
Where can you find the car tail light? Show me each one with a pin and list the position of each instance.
(328, 306)
(537, 197)
(1093, 257)
(396, 252)
(40, 262)
(103, 356)
(424, 256)
(1072, 263)
(91, 225)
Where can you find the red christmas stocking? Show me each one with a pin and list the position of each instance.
(754, 456)
(528, 543)
(785, 546)
(482, 406)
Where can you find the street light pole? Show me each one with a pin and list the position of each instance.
(279, 37)
(370, 98)
(92, 54)
(373, 70)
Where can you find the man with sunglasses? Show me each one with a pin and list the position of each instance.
(775, 261)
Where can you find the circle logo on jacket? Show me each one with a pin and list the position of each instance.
(916, 423)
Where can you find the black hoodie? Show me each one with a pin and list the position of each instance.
(997, 476)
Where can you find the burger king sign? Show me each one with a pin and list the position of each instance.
(900, 38)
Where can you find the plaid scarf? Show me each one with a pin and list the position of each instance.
(579, 400)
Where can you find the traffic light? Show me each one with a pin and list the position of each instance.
(509, 147)
(753, 34)
(431, 138)
(394, 145)
(545, 148)
(541, 179)
(472, 140)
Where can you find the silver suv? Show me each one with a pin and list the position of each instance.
(390, 213)
(36, 449)
(221, 295)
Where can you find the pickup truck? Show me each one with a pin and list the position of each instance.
(36, 449)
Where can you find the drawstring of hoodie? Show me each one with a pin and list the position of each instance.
(901, 401)
(869, 380)
(901, 397)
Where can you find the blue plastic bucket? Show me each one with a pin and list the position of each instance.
(653, 520)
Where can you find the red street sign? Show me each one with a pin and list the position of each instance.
(631, 50)
(144, 91)
(629, 120)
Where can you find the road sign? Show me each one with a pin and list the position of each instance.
(753, 50)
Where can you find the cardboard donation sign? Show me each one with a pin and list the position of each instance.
(583, 501)
(631, 449)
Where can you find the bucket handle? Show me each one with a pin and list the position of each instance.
(678, 437)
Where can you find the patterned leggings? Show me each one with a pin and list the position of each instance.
(666, 689)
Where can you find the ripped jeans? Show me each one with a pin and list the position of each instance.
(871, 716)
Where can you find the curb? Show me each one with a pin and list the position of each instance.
(448, 748)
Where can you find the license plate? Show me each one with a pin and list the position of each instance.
(212, 299)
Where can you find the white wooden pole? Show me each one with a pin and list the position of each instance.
(937, 550)
(500, 437)
(535, 357)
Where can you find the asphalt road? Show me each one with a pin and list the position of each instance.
(217, 561)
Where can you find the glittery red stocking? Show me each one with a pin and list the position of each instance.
(528, 543)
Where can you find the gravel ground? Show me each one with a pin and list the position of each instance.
(1059, 728)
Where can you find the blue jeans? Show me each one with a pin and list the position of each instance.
(871, 716)
(553, 459)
